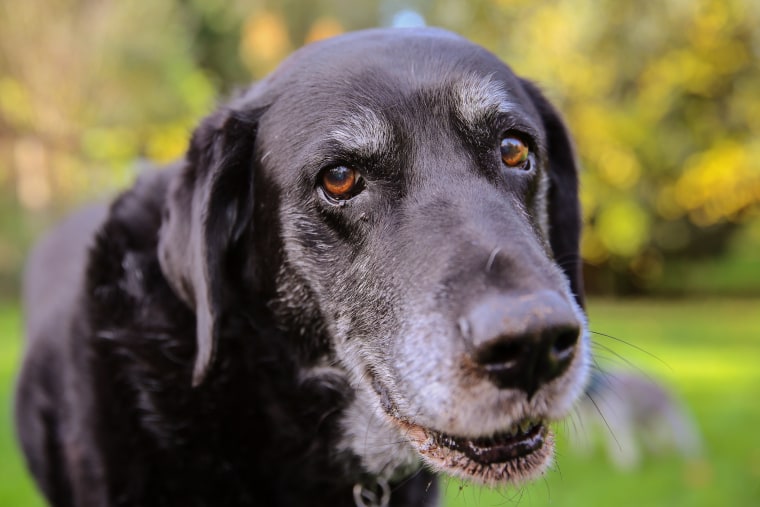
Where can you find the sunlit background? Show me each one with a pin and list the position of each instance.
(662, 98)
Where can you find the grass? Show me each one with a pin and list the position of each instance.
(16, 488)
(706, 351)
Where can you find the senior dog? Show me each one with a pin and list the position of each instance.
(364, 272)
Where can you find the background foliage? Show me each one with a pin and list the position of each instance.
(662, 98)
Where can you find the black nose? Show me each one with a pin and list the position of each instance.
(522, 341)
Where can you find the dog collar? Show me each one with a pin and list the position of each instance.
(375, 494)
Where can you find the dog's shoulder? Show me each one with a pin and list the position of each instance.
(128, 304)
(134, 218)
(122, 261)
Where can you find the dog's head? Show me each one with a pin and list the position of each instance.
(407, 206)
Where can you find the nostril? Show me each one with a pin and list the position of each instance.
(558, 353)
(500, 355)
(564, 344)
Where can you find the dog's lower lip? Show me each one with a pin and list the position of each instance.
(498, 448)
(520, 440)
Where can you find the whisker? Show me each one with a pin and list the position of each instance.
(634, 346)
(609, 428)
(558, 470)
(614, 357)
(408, 479)
(568, 257)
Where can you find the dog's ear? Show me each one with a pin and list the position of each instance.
(209, 207)
(564, 205)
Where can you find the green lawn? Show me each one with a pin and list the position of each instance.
(709, 353)
(16, 489)
(706, 351)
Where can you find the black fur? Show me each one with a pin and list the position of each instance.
(189, 356)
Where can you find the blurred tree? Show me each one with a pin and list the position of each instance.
(87, 89)
(662, 99)
(214, 27)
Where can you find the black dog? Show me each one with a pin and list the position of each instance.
(365, 271)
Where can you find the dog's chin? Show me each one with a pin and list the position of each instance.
(518, 454)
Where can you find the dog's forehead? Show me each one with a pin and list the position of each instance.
(357, 79)
(369, 93)
(411, 56)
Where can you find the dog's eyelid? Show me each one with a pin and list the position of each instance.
(525, 133)
(508, 123)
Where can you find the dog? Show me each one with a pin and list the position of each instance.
(364, 273)
(636, 416)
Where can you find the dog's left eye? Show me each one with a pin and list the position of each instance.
(515, 153)
(341, 182)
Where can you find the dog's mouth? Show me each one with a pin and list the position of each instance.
(520, 441)
(519, 453)
(515, 455)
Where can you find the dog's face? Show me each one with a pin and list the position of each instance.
(413, 207)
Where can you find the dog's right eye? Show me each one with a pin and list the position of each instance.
(515, 153)
(341, 182)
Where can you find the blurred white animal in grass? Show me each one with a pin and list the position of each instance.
(635, 415)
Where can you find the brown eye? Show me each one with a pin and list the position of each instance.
(340, 182)
(514, 152)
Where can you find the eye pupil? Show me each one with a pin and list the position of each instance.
(514, 152)
(339, 181)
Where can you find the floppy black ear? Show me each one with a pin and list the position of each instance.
(209, 207)
(564, 205)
